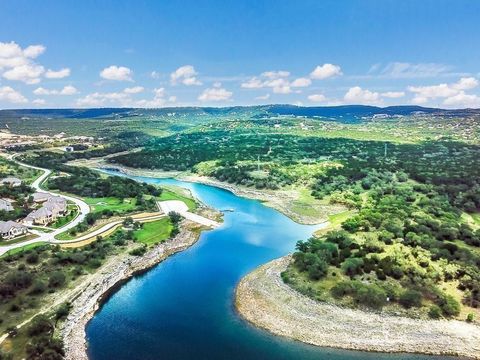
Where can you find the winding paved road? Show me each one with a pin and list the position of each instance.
(83, 207)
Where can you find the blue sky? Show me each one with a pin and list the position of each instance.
(203, 52)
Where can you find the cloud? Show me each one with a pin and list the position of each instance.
(276, 74)
(326, 71)
(124, 99)
(117, 73)
(253, 83)
(398, 70)
(263, 97)
(59, 74)
(97, 99)
(33, 51)
(277, 80)
(159, 99)
(67, 90)
(455, 92)
(39, 102)
(134, 90)
(17, 64)
(10, 95)
(301, 82)
(463, 100)
(155, 75)
(29, 74)
(393, 94)
(357, 95)
(217, 93)
(185, 75)
(317, 98)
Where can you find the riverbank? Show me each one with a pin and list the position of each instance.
(309, 212)
(266, 301)
(113, 273)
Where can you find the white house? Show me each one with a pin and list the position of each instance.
(11, 229)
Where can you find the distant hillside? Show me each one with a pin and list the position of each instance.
(333, 112)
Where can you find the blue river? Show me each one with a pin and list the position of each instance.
(183, 307)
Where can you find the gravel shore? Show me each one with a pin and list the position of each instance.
(267, 302)
(116, 270)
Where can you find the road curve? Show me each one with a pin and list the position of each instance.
(83, 207)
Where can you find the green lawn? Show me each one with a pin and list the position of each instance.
(23, 248)
(65, 219)
(171, 195)
(111, 203)
(154, 232)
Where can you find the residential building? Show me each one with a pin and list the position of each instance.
(11, 229)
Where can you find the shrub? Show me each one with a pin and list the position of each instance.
(40, 325)
(32, 258)
(352, 266)
(411, 298)
(39, 287)
(56, 279)
(435, 312)
(371, 296)
(470, 317)
(449, 305)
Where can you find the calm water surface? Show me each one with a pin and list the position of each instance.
(183, 307)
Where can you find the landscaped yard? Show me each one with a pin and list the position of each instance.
(154, 232)
(65, 219)
(111, 203)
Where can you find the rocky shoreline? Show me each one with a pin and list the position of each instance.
(113, 273)
(266, 301)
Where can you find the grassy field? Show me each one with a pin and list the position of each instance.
(23, 248)
(111, 203)
(171, 195)
(154, 232)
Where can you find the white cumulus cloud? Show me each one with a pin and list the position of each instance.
(134, 90)
(39, 101)
(185, 75)
(29, 73)
(11, 95)
(357, 95)
(17, 64)
(57, 74)
(453, 93)
(117, 73)
(326, 71)
(393, 94)
(216, 93)
(301, 82)
(67, 90)
(317, 98)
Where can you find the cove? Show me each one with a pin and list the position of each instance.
(183, 307)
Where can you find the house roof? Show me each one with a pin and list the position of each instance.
(39, 213)
(6, 226)
(41, 196)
